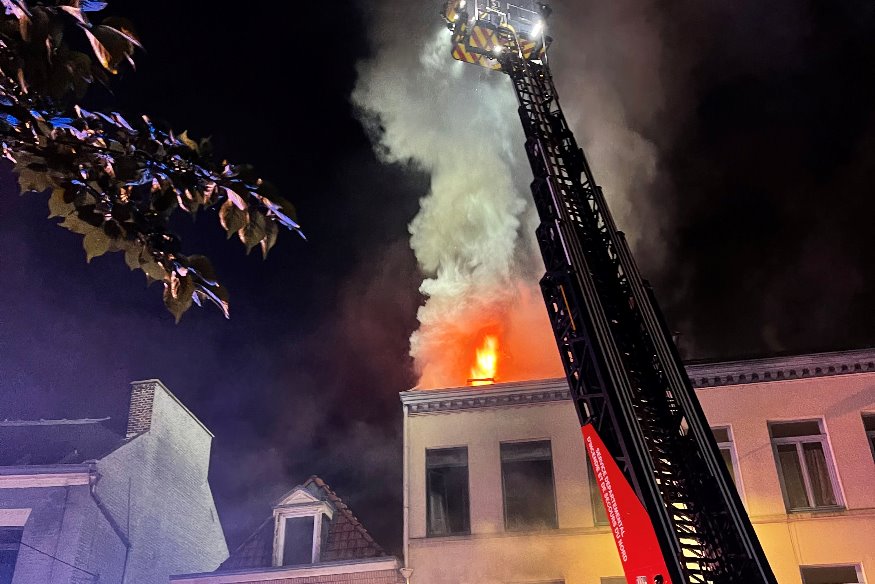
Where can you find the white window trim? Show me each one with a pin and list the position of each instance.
(823, 438)
(858, 567)
(733, 454)
(282, 512)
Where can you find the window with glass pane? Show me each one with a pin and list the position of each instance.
(10, 538)
(808, 478)
(830, 574)
(447, 510)
(527, 480)
(723, 436)
(599, 514)
(869, 426)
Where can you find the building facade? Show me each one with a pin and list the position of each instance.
(80, 504)
(497, 490)
(311, 537)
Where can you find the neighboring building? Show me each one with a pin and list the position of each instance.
(497, 490)
(311, 537)
(81, 504)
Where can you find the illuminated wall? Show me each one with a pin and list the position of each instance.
(834, 390)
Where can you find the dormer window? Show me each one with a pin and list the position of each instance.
(300, 528)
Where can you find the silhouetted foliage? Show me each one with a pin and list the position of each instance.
(116, 181)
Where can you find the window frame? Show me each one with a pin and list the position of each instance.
(733, 456)
(823, 439)
(316, 511)
(504, 488)
(595, 496)
(467, 467)
(857, 567)
(870, 434)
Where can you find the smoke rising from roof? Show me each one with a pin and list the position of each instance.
(474, 234)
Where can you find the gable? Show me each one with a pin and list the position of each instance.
(297, 496)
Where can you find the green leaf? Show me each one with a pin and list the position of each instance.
(178, 294)
(132, 256)
(188, 141)
(232, 218)
(34, 180)
(153, 270)
(76, 225)
(58, 207)
(203, 266)
(254, 231)
(271, 230)
(96, 243)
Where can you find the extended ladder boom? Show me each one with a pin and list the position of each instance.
(624, 372)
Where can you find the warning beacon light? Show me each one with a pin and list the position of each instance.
(483, 29)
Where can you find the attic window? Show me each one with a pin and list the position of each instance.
(298, 541)
(300, 529)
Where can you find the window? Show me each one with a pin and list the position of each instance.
(599, 514)
(447, 491)
(527, 481)
(830, 574)
(723, 436)
(298, 541)
(807, 477)
(869, 426)
(10, 538)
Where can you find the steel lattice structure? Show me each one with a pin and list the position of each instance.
(625, 374)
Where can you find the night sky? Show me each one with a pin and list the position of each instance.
(761, 200)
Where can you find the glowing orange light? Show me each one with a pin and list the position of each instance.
(486, 362)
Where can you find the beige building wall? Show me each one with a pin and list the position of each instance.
(744, 396)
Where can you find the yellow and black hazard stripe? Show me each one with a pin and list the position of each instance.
(527, 48)
(483, 38)
(461, 53)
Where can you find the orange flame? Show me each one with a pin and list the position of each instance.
(486, 362)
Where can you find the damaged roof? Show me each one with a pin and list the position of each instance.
(347, 538)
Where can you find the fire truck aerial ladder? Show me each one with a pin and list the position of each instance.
(674, 511)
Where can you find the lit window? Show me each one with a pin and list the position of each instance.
(727, 451)
(830, 574)
(869, 426)
(527, 480)
(447, 491)
(807, 477)
(599, 514)
(10, 538)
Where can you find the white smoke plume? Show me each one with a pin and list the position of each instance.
(474, 234)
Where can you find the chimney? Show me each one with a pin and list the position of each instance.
(140, 412)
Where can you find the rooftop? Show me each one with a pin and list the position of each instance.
(702, 375)
(42, 442)
(347, 538)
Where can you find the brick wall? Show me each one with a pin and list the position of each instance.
(140, 412)
(156, 486)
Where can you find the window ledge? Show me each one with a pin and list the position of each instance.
(448, 535)
(819, 511)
